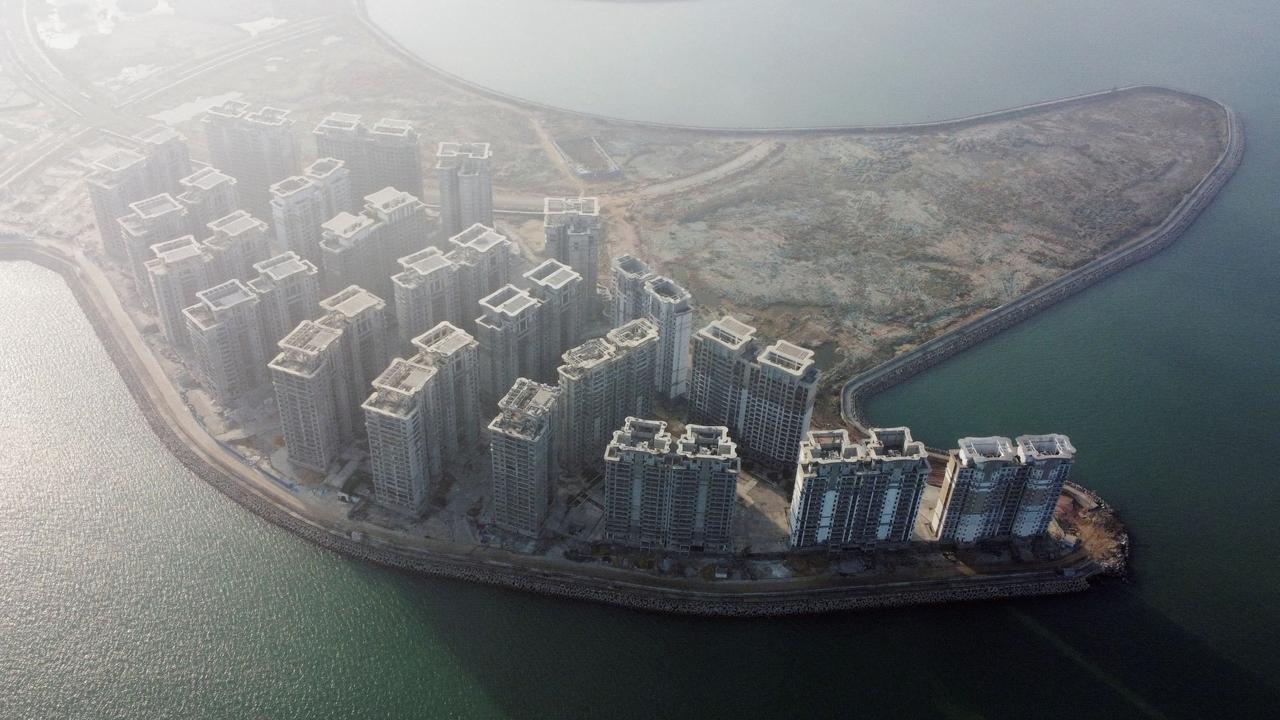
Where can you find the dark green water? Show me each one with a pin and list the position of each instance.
(131, 590)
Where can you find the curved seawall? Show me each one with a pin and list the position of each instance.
(229, 479)
(855, 392)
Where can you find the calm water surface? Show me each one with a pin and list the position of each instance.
(131, 590)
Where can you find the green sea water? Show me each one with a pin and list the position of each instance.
(129, 589)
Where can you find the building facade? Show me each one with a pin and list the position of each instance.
(572, 228)
(629, 298)
(288, 290)
(670, 307)
(510, 340)
(426, 292)
(466, 191)
(177, 272)
(312, 395)
(226, 340)
(405, 444)
(560, 289)
(455, 355)
(257, 148)
(522, 454)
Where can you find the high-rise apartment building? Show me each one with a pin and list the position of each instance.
(406, 224)
(168, 158)
(257, 148)
(1046, 462)
(226, 340)
(721, 352)
(483, 258)
(150, 221)
(560, 289)
(207, 194)
(238, 240)
(857, 495)
(312, 395)
(115, 181)
(979, 491)
(670, 494)
(510, 340)
(388, 154)
(630, 301)
(522, 453)
(466, 192)
(426, 292)
(301, 204)
(670, 307)
(361, 316)
(404, 430)
(781, 386)
(603, 382)
(572, 227)
(455, 356)
(350, 252)
(177, 272)
(288, 290)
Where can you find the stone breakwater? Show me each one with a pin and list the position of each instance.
(856, 391)
(627, 594)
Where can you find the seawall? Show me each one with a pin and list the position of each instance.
(628, 594)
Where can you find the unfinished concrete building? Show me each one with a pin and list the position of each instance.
(154, 220)
(483, 257)
(560, 289)
(388, 154)
(177, 272)
(361, 317)
(857, 495)
(522, 455)
(978, 496)
(667, 494)
(466, 192)
(312, 395)
(455, 355)
(510, 340)
(237, 242)
(288, 290)
(426, 292)
(168, 157)
(257, 148)
(404, 431)
(572, 227)
(670, 307)
(603, 382)
(114, 181)
(300, 205)
(207, 194)
(780, 389)
(226, 340)
(629, 298)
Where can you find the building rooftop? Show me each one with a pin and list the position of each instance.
(553, 206)
(791, 359)
(508, 300)
(707, 441)
(894, 444)
(155, 206)
(236, 224)
(526, 410)
(352, 301)
(394, 128)
(338, 122)
(824, 446)
(443, 340)
(207, 178)
(583, 358)
(668, 291)
(283, 266)
(396, 389)
(290, 186)
(729, 331)
(474, 151)
(632, 334)
(272, 116)
(226, 296)
(229, 110)
(177, 250)
(552, 274)
(158, 134)
(1045, 447)
(389, 199)
(479, 237)
(302, 349)
(639, 434)
(631, 265)
(346, 228)
(323, 168)
(978, 450)
(118, 160)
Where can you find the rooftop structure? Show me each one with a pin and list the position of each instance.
(207, 194)
(288, 288)
(238, 241)
(426, 292)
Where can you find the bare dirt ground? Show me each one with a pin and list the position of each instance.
(858, 245)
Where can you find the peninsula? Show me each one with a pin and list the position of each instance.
(884, 249)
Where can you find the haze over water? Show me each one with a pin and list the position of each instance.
(133, 590)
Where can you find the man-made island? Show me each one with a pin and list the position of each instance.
(882, 249)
